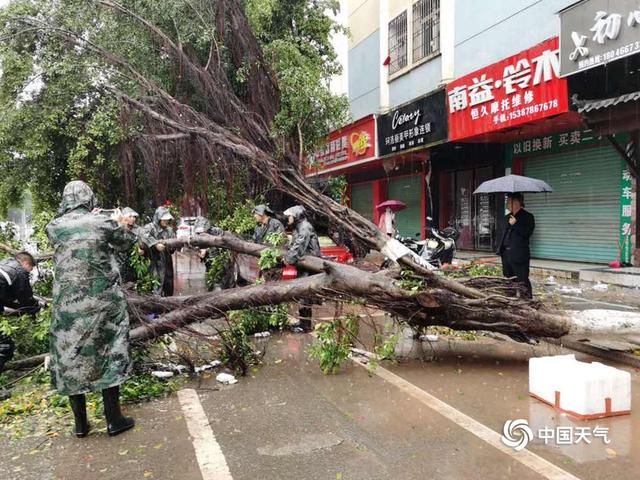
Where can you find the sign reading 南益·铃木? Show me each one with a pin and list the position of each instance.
(519, 89)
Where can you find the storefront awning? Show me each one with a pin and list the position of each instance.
(585, 106)
(614, 115)
(609, 116)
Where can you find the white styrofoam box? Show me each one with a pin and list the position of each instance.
(585, 390)
(541, 375)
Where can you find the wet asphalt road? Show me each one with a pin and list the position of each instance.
(287, 420)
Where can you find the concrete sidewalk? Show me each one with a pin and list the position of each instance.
(579, 271)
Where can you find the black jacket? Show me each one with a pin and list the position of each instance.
(514, 243)
(161, 262)
(16, 292)
(304, 241)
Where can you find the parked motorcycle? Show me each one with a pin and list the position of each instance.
(440, 247)
(437, 249)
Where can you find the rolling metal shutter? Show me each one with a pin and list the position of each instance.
(409, 191)
(362, 199)
(580, 220)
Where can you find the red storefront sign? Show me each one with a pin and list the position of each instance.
(353, 144)
(519, 89)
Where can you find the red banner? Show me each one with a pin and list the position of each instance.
(516, 90)
(355, 143)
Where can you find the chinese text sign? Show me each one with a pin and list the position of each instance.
(413, 125)
(596, 32)
(353, 143)
(520, 89)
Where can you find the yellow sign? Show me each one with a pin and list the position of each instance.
(359, 143)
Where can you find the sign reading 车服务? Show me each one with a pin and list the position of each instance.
(596, 32)
(417, 124)
(520, 89)
(626, 215)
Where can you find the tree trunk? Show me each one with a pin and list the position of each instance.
(435, 304)
(344, 282)
(240, 137)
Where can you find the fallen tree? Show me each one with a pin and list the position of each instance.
(431, 305)
(237, 130)
(440, 301)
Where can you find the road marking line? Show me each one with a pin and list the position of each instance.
(525, 457)
(211, 461)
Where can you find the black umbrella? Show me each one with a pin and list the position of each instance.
(513, 184)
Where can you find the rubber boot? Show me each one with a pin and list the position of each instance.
(79, 407)
(116, 422)
(305, 314)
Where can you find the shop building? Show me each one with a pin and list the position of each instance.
(387, 157)
(407, 135)
(599, 46)
(499, 63)
(350, 150)
(517, 105)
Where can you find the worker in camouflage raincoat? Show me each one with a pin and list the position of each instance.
(161, 256)
(90, 325)
(304, 241)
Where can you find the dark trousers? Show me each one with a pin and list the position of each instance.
(519, 270)
(305, 312)
(7, 348)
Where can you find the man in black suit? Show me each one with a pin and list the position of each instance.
(514, 246)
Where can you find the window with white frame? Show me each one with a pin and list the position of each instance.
(426, 28)
(398, 43)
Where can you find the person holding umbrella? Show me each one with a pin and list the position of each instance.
(387, 222)
(514, 245)
(519, 224)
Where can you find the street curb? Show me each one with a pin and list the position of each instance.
(619, 357)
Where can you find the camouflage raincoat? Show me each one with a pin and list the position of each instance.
(161, 262)
(90, 324)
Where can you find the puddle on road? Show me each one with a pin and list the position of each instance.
(489, 382)
(576, 295)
